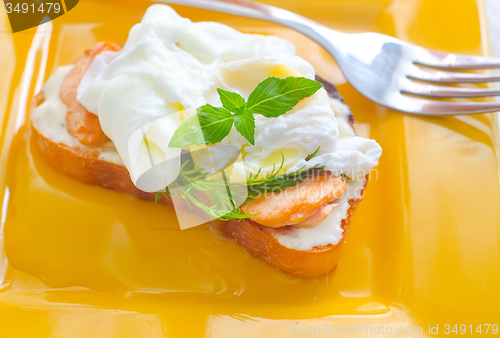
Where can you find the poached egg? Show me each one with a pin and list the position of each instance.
(170, 65)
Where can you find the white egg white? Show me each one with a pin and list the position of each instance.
(169, 66)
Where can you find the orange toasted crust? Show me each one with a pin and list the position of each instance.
(306, 264)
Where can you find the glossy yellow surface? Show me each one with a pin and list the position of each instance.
(423, 249)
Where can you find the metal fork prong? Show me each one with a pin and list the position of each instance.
(437, 108)
(374, 63)
(430, 75)
(413, 88)
(453, 61)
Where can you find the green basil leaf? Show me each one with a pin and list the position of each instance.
(210, 125)
(274, 96)
(188, 133)
(215, 123)
(231, 101)
(245, 125)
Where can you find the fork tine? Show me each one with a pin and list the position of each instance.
(437, 108)
(430, 75)
(453, 108)
(410, 87)
(453, 61)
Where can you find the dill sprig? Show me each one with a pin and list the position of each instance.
(273, 182)
(310, 156)
(345, 176)
(193, 187)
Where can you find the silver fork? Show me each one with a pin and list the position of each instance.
(380, 67)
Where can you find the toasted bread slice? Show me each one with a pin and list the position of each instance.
(83, 165)
(83, 162)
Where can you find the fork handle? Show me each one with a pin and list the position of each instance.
(326, 37)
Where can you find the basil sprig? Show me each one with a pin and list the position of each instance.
(271, 98)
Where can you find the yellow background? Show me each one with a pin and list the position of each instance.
(423, 249)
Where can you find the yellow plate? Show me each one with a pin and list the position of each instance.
(423, 249)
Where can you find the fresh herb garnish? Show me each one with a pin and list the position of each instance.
(271, 98)
(273, 182)
(345, 176)
(191, 185)
(191, 182)
(312, 155)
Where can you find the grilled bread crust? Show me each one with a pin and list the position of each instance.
(263, 245)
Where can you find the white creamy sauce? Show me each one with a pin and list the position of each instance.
(50, 117)
(168, 67)
(110, 155)
(328, 231)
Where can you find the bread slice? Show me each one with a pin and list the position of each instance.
(83, 163)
